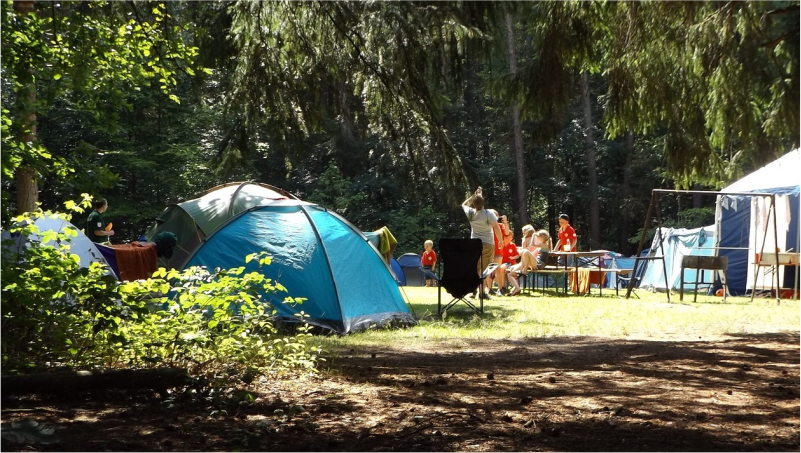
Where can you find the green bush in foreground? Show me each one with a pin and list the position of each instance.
(218, 325)
(54, 312)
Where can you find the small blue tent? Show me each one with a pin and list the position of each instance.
(317, 255)
(398, 271)
(745, 224)
(411, 266)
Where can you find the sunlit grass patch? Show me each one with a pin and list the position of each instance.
(542, 316)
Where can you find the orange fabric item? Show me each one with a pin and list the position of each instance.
(597, 277)
(581, 281)
(586, 277)
(136, 260)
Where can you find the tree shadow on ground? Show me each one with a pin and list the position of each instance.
(625, 394)
(564, 393)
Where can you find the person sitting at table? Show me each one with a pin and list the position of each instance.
(499, 276)
(536, 258)
(510, 256)
(528, 237)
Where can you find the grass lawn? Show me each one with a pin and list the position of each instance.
(550, 315)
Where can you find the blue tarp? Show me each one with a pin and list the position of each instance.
(396, 269)
(620, 262)
(677, 243)
(316, 255)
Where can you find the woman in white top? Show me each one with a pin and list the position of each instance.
(484, 226)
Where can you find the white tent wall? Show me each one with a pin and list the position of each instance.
(745, 227)
(79, 244)
(763, 238)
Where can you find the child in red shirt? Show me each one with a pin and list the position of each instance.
(429, 260)
(510, 256)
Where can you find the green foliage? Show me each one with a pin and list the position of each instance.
(55, 312)
(335, 192)
(412, 227)
(721, 78)
(370, 67)
(687, 218)
(92, 54)
(218, 325)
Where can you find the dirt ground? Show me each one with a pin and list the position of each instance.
(736, 393)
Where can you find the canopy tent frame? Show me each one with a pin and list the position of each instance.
(657, 193)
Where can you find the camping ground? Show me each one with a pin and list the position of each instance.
(534, 372)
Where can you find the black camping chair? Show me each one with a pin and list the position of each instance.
(460, 258)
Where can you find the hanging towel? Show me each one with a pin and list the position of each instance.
(581, 284)
(386, 243)
(136, 260)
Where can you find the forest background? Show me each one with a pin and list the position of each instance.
(391, 113)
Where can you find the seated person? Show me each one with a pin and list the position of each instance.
(499, 276)
(534, 259)
(528, 238)
(510, 256)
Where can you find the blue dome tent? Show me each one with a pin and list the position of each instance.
(317, 255)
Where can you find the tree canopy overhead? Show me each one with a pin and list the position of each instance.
(721, 79)
(93, 53)
(392, 110)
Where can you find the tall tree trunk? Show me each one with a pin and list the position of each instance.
(625, 197)
(471, 99)
(595, 219)
(25, 175)
(698, 199)
(517, 130)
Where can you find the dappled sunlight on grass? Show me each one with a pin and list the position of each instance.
(542, 316)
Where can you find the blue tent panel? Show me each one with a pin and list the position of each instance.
(396, 268)
(316, 255)
(412, 273)
(735, 227)
(349, 257)
(409, 260)
(739, 226)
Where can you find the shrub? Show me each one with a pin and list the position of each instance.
(54, 312)
(218, 325)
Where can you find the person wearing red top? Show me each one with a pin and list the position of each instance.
(500, 274)
(567, 235)
(429, 260)
(510, 256)
(567, 239)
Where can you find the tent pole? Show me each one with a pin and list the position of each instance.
(630, 287)
(319, 238)
(798, 246)
(761, 253)
(662, 247)
(776, 246)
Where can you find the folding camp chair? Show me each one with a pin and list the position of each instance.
(460, 258)
(623, 283)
